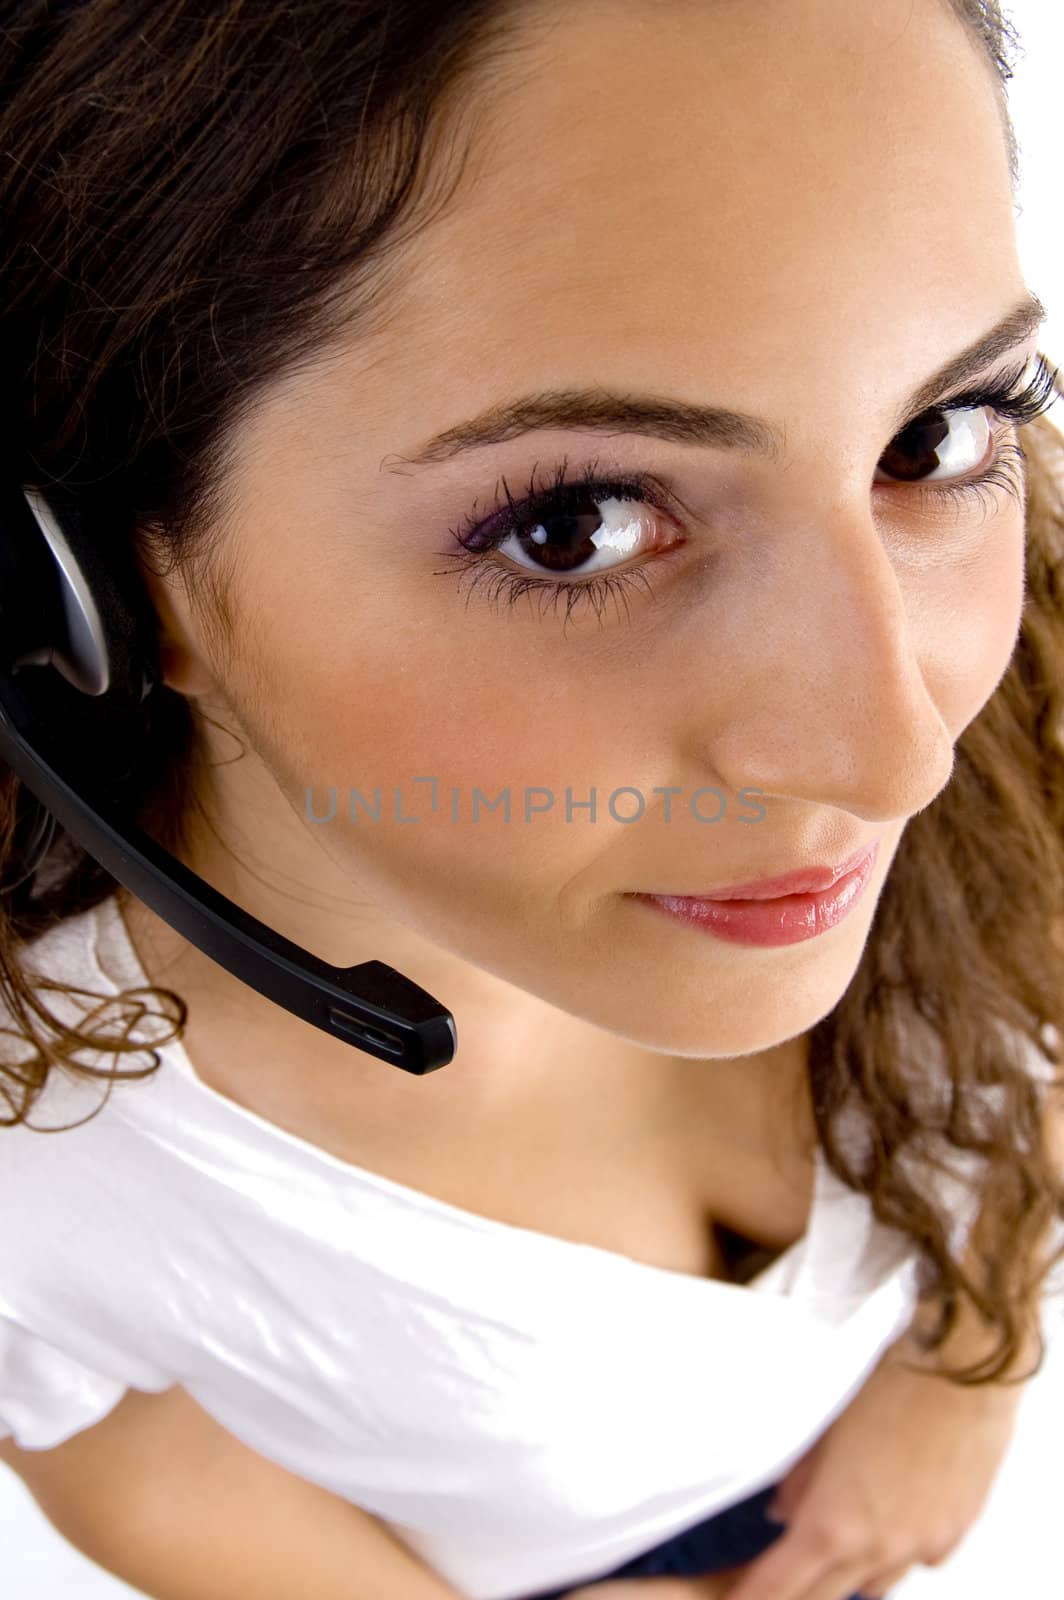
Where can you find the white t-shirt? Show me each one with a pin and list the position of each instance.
(523, 1411)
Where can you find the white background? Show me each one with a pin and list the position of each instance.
(1013, 1552)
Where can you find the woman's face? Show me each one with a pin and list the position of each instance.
(799, 211)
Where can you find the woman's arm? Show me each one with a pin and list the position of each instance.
(164, 1497)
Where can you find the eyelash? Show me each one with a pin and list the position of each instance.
(1005, 470)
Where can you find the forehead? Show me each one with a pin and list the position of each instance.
(721, 166)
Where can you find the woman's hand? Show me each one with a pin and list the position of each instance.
(898, 1479)
(713, 1587)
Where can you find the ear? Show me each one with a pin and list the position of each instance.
(182, 661)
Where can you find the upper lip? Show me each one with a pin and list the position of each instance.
(807, 880)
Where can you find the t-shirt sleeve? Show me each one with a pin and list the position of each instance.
(47, 1395)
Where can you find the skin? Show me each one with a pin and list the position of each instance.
(799, 209)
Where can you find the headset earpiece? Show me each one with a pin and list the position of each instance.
(63, 604)
(67, 603)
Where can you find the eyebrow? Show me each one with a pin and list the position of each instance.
(687, 422)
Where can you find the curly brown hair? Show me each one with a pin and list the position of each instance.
(180, 223)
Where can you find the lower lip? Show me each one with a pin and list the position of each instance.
(788, 919)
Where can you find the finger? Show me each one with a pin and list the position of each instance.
(811, 1563)
(806, 1563)
(879, 1587)
(844, 1582)
(712, 1587)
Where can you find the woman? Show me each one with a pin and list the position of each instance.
(781, 585)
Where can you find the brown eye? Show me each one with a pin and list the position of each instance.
(940, 444)
(584, 534)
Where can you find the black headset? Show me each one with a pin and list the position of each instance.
(67, 613)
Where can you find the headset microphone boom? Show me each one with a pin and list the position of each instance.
(77, 635)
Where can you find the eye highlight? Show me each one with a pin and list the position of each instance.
(586, 535)
(574, 524)
(1006, 466)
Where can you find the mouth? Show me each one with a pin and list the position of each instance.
(805, 880)
(773, 918)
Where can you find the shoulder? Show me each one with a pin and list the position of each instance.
(66, 988)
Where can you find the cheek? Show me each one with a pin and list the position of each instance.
(473, 708)
(969, 623)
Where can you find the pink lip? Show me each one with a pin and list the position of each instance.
(777, 919)
(808, 881)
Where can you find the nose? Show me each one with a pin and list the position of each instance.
(827, 697)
